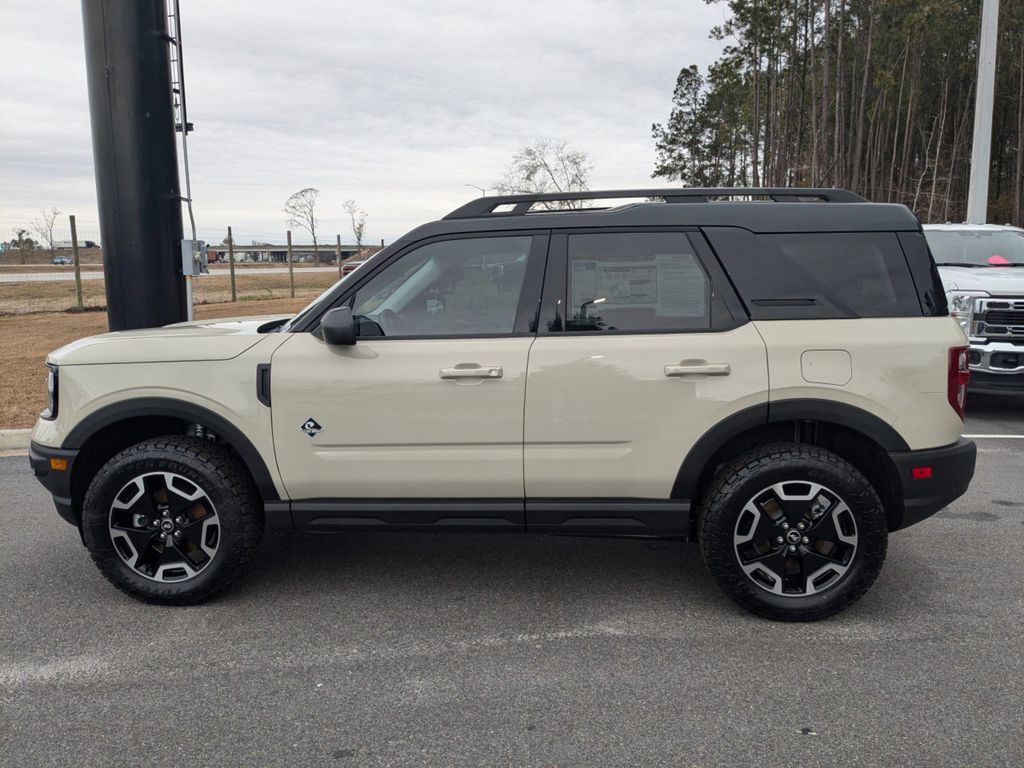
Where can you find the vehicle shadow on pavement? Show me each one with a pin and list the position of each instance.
(466, 566)
(1005, 409)
(529, 575)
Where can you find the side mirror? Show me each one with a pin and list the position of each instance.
(338, 328)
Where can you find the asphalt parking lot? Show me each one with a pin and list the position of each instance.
(369, 650)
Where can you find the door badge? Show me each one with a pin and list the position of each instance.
(311, 428)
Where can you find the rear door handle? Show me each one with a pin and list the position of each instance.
(706, 369)
(472, 371)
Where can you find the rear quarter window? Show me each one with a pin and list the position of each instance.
(817, 275)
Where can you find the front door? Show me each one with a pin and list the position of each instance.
(427, 406)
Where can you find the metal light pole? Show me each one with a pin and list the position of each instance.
(977, 196)
(129, 77)
(483, 190)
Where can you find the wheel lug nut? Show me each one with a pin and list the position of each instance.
(779, 540)
(800, 526)
(177, 534)
(785, 526)
(163, 537)
(179, 520)
(805, 540)
(792, 548)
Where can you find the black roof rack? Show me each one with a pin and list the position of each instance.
(521, 204)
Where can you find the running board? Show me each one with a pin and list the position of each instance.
(586, 516)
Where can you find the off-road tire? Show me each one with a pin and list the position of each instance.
(227, 484)
(736, 482)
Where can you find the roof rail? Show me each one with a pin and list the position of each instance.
(521, 204)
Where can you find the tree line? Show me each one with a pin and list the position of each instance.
(876, 96)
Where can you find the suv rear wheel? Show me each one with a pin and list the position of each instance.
(792, 532)
(172, 520)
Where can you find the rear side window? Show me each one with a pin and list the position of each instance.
(641, 281)
(817, 275)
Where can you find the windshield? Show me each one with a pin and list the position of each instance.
(325, 298)
(976, 247)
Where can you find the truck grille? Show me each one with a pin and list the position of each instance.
(1004, 317)
(999, 318)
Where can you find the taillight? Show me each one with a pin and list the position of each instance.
(959, 375)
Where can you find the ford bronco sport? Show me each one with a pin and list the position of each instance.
(777, 378)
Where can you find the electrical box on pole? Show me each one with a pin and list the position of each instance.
(194, 258)
(133, 137)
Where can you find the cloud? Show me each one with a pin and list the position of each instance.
(397, 104)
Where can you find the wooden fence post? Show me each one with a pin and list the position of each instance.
(231, 264)
(78, 270)
(291, 270)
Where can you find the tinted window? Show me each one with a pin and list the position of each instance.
(635, 282)
(818, 275)
(450, 288)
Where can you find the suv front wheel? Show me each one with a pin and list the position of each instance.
(172, 520)
(792, 532)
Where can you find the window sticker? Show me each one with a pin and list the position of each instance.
(682, 286)
(671, 284)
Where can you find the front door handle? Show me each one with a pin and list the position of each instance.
(472, 371)
(706, 369)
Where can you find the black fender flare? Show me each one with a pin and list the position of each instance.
(169, 407)
(799, 409)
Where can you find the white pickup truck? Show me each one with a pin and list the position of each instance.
(982, 270)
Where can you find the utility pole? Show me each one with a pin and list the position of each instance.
(337, 254)
(135, 155)
(977, 196)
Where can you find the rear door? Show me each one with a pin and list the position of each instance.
(642, 348)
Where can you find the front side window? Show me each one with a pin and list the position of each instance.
(642, 281)
(464, 287)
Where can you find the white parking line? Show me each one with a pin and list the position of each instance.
(995, 437)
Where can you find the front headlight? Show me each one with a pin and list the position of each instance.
(961, 307)
(51, 391)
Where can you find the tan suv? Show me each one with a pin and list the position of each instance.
(777, 378)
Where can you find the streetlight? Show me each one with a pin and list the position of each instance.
(977, 190)
(483, 191)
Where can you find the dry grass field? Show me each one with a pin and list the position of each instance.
(58, 296)
(26, 339)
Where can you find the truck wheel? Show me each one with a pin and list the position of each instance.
(792, 532)
(172, 520)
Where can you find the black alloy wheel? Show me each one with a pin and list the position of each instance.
(792, 531)
(173, 519)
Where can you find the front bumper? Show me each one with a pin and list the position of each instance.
(57, 482)
(996, 367)
(952, 468)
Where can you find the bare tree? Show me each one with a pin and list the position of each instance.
(44, 225)
(547, 166)
(358, 218)
(300, 209)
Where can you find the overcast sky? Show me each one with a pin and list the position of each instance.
(397, 104)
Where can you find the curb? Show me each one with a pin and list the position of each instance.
(14, 439)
